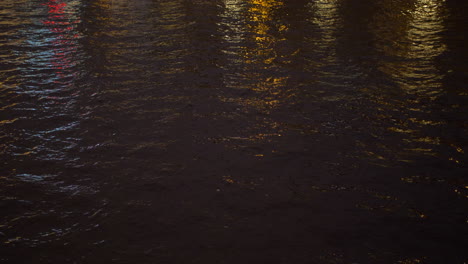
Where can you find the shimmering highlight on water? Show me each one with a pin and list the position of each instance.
(229, 131)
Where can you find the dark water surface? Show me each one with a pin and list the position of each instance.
(233, 131)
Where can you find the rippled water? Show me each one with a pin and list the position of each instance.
(233, 131)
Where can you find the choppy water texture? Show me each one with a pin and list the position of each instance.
(233, 131)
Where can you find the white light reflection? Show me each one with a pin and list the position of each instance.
(418, 73)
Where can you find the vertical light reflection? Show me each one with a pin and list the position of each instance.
(266, 34)
(47, 55)
(332, 76)
(415, 71)
(233, 26)
(260, 14)
(253, 32)
(232, 17)
(409, 36)
(54, 46)
(62, 23)
(56, 67)
(326, 18)
(252, 36)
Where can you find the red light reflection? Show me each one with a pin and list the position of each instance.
(64, 45)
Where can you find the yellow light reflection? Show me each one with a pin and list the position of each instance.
(266, 34)
(260, 12)
(256, 36)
